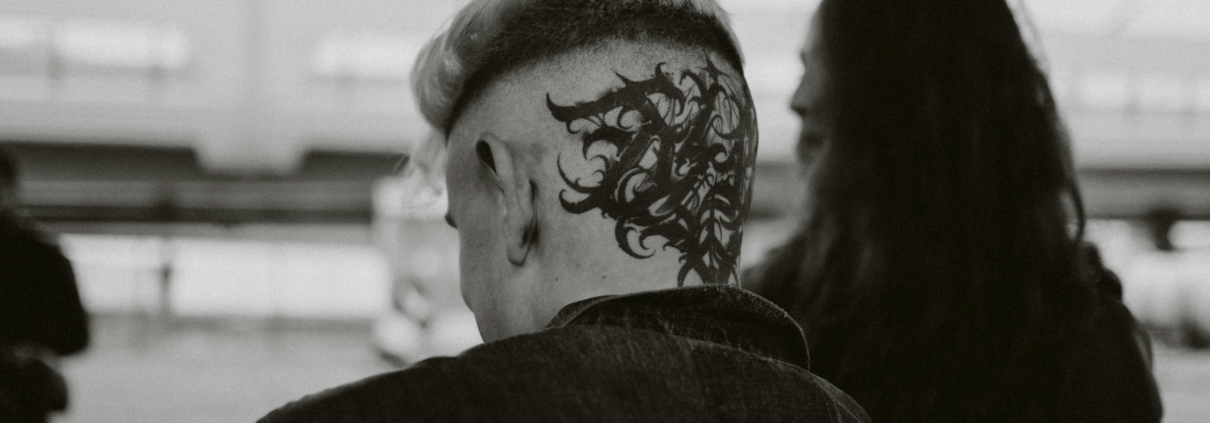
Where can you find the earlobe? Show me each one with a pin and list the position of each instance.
(520, 221)
(522, 224)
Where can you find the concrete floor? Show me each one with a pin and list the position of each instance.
(141, 370)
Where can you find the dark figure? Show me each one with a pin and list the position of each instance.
(1159, 223)
(41, 317)
(600, 155)
(939, 271)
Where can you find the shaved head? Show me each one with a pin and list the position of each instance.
(657, 140)
(618, 161)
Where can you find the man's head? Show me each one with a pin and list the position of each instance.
(594, 147)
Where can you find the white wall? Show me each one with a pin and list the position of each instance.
(253, 98)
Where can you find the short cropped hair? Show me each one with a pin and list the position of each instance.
(490, 38)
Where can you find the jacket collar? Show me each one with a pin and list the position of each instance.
(720, 314)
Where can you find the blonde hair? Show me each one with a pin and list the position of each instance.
(445, 63)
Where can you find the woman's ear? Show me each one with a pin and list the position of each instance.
(512, 177)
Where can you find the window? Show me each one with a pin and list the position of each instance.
(38, 45)
(1106, 90)
(24, 45)
(104, 47)
(1203, 95)
(1164, 93)
(365, 56)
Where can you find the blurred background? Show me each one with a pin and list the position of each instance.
(225, 177)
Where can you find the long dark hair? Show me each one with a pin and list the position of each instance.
(938, 273)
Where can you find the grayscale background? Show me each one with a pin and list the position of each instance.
(224, 177)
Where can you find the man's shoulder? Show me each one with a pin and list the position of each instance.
(577, 373)
(370, 399)
(484, 374)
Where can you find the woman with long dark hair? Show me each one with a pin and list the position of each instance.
(940, 272)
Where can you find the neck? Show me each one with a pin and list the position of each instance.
(565, 285)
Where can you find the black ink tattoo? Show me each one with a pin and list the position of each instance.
(674, 157)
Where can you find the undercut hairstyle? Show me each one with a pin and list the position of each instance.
(673, 151)
(489, 38)
(560, 27)
(939, 273)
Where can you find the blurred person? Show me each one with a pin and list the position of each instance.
(41, 317)
(600, 156)
(939, 271)
(1169, 284)
(1159, 223)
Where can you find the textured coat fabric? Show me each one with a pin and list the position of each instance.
(699, 354)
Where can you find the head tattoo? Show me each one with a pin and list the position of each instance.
(673, 158)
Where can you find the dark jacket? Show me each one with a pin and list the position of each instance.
(39, 302)
(40, 317)
(700, 354)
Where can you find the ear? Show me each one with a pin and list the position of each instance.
(512, 177)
